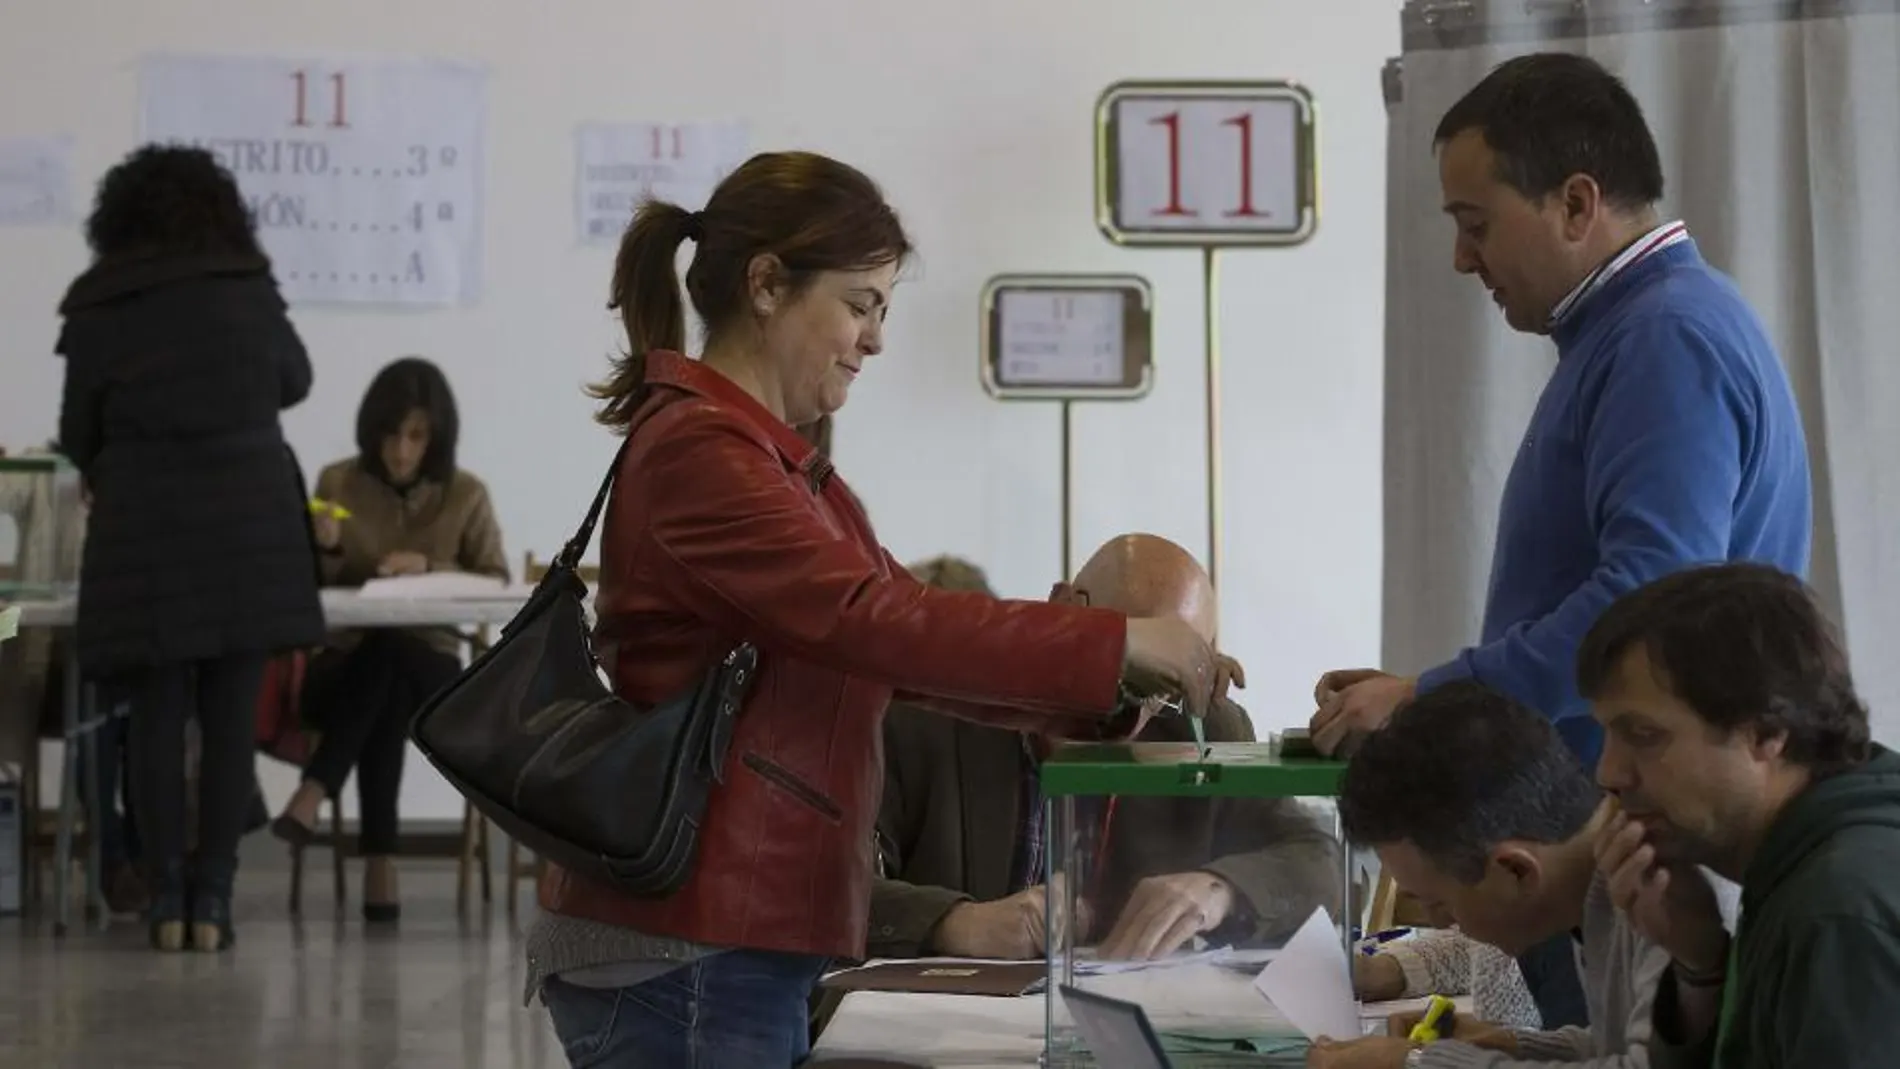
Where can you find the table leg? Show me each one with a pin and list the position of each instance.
(96, 909)
(68, 794)
(1349, 917)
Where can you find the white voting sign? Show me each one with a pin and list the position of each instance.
(364, 176)
(1206, 164)
(1052, 338)
(618, 166)
(1066, 336)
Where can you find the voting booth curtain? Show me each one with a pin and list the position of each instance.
(1779, 125)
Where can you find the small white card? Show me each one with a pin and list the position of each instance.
(1310, 983)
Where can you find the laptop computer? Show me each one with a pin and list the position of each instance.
(1118, 1033)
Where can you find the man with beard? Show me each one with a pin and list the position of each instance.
(1734, 739)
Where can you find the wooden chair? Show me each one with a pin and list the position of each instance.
(1393, 907)
(471, 851)
(339, 846)
(515, 869)
(1385, 896)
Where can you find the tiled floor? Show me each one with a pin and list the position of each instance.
(316, 994)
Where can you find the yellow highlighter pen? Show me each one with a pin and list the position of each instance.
(319, 506)
(1427, 1030)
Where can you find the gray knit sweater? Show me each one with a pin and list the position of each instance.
(590, 954)
(1620, 972)
(1446, 961)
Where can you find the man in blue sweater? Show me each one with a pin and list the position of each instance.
(1666, 437)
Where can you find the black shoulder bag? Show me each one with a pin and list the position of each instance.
(533, 736)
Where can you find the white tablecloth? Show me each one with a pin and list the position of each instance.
(343, 607)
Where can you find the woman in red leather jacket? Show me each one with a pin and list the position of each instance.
(724, 526)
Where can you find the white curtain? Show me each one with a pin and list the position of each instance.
(1779, 124)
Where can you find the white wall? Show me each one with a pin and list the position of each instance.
(976, 115)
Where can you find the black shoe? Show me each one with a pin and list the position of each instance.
(126, 892)
(382, 912)
(211, 929)
(166, 914)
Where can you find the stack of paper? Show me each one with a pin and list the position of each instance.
(434, 586)
(1096, 967)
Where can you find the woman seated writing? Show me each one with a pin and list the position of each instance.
(406, 509)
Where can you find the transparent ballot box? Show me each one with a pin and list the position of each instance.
(1172, 874)
(41, 527)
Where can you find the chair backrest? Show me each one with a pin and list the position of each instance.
(533, 568)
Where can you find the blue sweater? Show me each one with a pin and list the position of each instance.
(1667, 437)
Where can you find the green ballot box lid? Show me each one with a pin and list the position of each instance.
(1183, 770)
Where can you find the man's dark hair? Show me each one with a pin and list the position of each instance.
(1459, 770)
(408, 385)
(1743, 645)
(169, 200)
(1551, 115)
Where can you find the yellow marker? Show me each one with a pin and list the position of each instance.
(1426, 1030)
(337, 512)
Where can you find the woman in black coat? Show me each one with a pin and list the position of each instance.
(198, 559)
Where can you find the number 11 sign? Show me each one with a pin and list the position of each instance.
(1206, 163)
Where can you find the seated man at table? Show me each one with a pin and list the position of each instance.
(1474, 804)
(961, 842)
(1735, 743)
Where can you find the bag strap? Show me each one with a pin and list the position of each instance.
(570, 555)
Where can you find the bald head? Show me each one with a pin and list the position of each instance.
(1146, 575)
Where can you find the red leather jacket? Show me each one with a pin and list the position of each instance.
(724, 526)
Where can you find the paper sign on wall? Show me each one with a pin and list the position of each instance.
(364, 176)
(35, 181)
(620, 165)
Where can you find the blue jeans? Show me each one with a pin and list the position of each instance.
(739, 1009)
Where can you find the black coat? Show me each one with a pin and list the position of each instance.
(198, 544)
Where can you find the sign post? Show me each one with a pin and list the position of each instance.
(1067, 338)
(1201, 164)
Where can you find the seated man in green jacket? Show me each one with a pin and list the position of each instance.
(1733, 739)
(961, 840)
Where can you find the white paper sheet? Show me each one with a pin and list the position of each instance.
(1310, 984)
(364, 175)
(434, 585)
(35, 181)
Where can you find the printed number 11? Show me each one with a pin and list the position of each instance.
(660, 142)
(338, 118)
(1242, 122)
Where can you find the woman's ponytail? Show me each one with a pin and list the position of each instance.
(646, 292)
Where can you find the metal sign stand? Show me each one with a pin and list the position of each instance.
(1067, 338)
(1207, 165)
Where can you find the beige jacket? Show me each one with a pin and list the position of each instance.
(452, 524)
